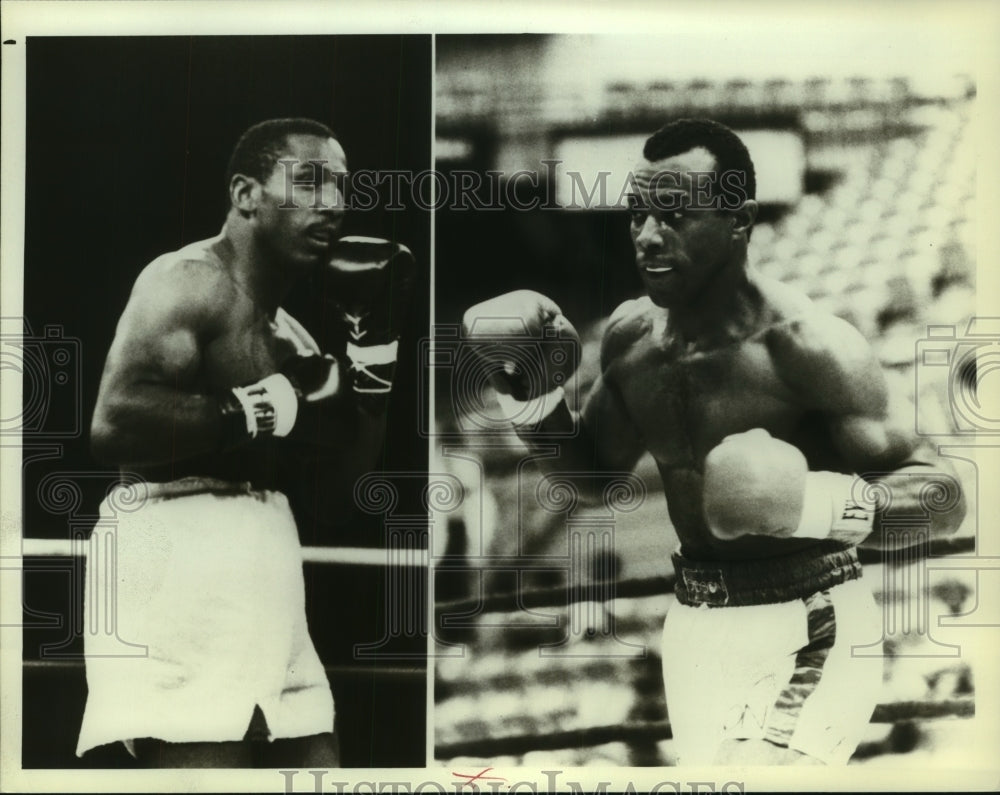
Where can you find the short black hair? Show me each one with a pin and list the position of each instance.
(258, 150)
(683, 135)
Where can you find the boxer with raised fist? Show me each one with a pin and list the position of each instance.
(366, 286)
(528, 350)
(207, 384)
(768, 421)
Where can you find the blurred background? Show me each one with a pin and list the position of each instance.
(865, 149)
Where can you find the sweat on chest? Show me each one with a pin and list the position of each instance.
(685, 404)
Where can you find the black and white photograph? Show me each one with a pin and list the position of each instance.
(213, 408)
(698, 389)
(427, 397)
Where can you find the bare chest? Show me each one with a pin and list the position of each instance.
(685, 403)
(248, 348)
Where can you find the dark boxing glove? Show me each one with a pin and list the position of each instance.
(366, 286)
(528, 350)
(274, 406)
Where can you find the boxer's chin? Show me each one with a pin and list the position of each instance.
(664, 302)
(664, 293)
(306, 258)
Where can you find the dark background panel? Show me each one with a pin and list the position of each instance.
(127, 144)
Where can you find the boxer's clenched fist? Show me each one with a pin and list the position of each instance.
(754, 484)
(758, 485)
(529, 349)
(274, 405)
(366, 286)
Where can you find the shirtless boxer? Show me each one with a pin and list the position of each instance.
(207, 386)
(759, 411)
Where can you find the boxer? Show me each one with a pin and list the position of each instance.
(207, 383)
(760, 412)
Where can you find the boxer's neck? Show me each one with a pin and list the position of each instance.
(253, 269)
(730, 309)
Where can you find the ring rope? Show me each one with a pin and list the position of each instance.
(558, 596)
(604, 590)
(345, 556)
(539, 597)
(74, 664)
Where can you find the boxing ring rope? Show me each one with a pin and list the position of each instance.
(341, 671)
(550, 596)
(556, 595)
(343, 556)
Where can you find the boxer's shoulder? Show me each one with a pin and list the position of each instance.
(825, 358)
(186, 270)
(782, 299)
(191, 284)
(820, 339)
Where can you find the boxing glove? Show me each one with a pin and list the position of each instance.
(755, 484)
(366, 286)
(526, 349)
(274, 405)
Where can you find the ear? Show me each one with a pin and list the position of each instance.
(244, 193)
(744, 216)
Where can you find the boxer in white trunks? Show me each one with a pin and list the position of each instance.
(767, 418)
(207, 387)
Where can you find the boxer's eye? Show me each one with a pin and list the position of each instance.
(638, 215)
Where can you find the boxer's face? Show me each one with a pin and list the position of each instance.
(681, 239)
(301, 205)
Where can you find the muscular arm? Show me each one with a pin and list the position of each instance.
(829, 364)
(149, 409)
(606, 441)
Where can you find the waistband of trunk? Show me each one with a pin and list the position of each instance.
(139, 492)
(728, 583)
